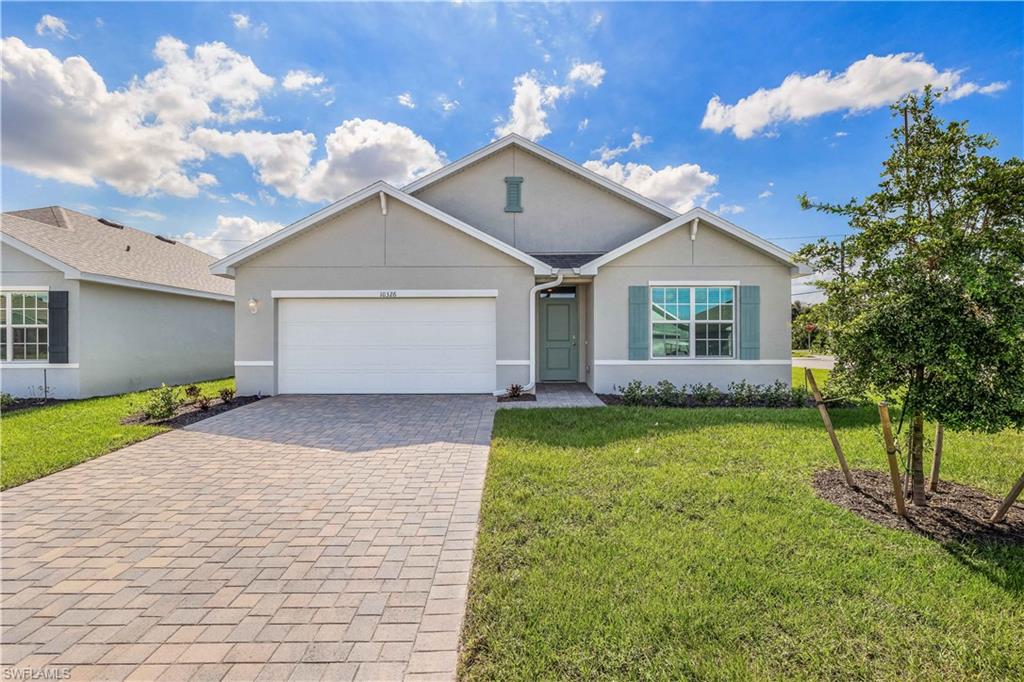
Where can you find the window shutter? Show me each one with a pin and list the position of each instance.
(58, 327)
(639, 324)
(513, 195)
(750, 323)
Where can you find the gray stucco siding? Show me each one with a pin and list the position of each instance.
(361, 249)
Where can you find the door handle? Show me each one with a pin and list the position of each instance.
(573, 340)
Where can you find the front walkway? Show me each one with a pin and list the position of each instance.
(301, 537)
(559, 395)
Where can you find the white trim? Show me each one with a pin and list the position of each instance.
(547, 155)
(384, 293)
(687, 362)
(225, 266)
(41, 287)
(694, 283)
(517, 363)
(722, 224)
(15, 243)
(254, 363)
(17, 364)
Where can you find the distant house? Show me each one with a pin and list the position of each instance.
(91, 307)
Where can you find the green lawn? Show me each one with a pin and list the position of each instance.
(640, 543)
(38, 441)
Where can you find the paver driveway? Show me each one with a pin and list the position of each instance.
(301, 537)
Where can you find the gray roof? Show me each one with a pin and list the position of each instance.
(566, 260)
(90, 246)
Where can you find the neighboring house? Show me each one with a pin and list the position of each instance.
(511, 265)
(91, 307)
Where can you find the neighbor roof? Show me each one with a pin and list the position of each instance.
(83, 247)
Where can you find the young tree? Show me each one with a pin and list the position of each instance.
(928, 301)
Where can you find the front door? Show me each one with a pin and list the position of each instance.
(559, 331)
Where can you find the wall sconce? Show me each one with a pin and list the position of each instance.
(254, 306)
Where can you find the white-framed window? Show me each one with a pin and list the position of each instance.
(24, 333)
(693, 321)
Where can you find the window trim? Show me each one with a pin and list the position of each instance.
(691, 322)
(8, 358)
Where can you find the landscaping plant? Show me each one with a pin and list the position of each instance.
(925, 305)
(227, 394)
(202, 401)
(192, 393)
(514, 391)
(162, 403)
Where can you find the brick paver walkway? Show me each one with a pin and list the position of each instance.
(305, 537)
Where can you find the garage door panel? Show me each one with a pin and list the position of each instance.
(439, 345)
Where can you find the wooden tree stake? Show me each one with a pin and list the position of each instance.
(1008, 502)
(937, 459)
(828, 425)
(890, 453)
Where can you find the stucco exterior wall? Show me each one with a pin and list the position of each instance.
(132, 339)
(361, 249)
(714, 256)
(562, 213)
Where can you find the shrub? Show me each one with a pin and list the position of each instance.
(162, 402)
(635, 393)
(6, 400)
(776, 394)
(743, 394)
(514, 391)
(799, 396)
(192, 393)
(227, 394)
(705, 394)
(666, 395)
(202, 401)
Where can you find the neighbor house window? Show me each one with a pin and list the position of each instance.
(25, 330)
(692, 322)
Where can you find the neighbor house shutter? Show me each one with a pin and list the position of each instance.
(58, 327)
(639, 331)
(513, 195)
(750, 323)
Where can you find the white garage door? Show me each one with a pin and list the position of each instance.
(399, 345)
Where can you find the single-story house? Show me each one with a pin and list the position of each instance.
(92, 307)
(512, 265)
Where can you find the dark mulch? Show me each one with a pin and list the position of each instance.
(956, 513)
(190, 413)
(690, 402)
(522, 398)
(25, 403)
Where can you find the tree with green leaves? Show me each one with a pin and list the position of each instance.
(925, 304)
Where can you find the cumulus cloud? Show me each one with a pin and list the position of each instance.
(230, 234)
(447, 105)
(532, 100)
(635, 142)
(243, 197)
(726, 209)
(356, 153)
(406, 100)
(243, 23)
(51, 25)
(866, 84)
(297, 79)
(681, 187)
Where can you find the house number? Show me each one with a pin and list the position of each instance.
(389, 294)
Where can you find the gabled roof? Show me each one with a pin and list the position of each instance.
(722, 224)
(83, 247)
(225, 266)
(548, 155)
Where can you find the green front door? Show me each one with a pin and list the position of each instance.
(559, 332)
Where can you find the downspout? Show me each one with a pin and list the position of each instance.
(533, 329)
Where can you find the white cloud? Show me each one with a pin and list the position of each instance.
(636, 141)
(243, 197)
(231, 234)
(406, 100)
(726, 209)
(447, 105)
(765, 194)
(61, 121)
(866, 84)
(297, 79)
(100, 23)
(841, 133)
(241, 20)
(51, 25)
(139, 213)
(357, 153)
(243, 23)
(583, 125)
(531, 101)
(267, 198)
(595, 20)
(681, 187)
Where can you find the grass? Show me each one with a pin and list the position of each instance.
(820, 376)
(39, 441)
(640, 543)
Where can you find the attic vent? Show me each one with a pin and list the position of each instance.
(111, 223)
(513, 195)
(165, 239)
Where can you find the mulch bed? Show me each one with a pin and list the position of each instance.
(522, 398)
(190, 413)
(956, 513)
(616, 399)
(25, 403)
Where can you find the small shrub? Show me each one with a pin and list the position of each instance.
(202, 401)
(514, 391)
(635, 393)
(705, 394)
(6, 400)
(743, 394)
(192, 393)
(799, 396)
(226, 394)
(776, 394)
(665, 394)
(162, 402)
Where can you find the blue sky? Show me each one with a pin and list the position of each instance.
(228, 120)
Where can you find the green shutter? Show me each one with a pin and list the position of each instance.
(639, 324)
(513, 195)
(57, 303)
(750, 323)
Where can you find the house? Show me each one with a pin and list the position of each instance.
(511, 265)
(92, 307)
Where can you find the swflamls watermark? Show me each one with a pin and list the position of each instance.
(48, 673)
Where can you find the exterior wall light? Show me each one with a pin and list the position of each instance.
(254, 306)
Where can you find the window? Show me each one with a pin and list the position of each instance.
(25, 328)
(692, 322)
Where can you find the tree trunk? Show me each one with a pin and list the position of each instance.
(917, 461)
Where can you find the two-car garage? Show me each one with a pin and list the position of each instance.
(386, 342)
